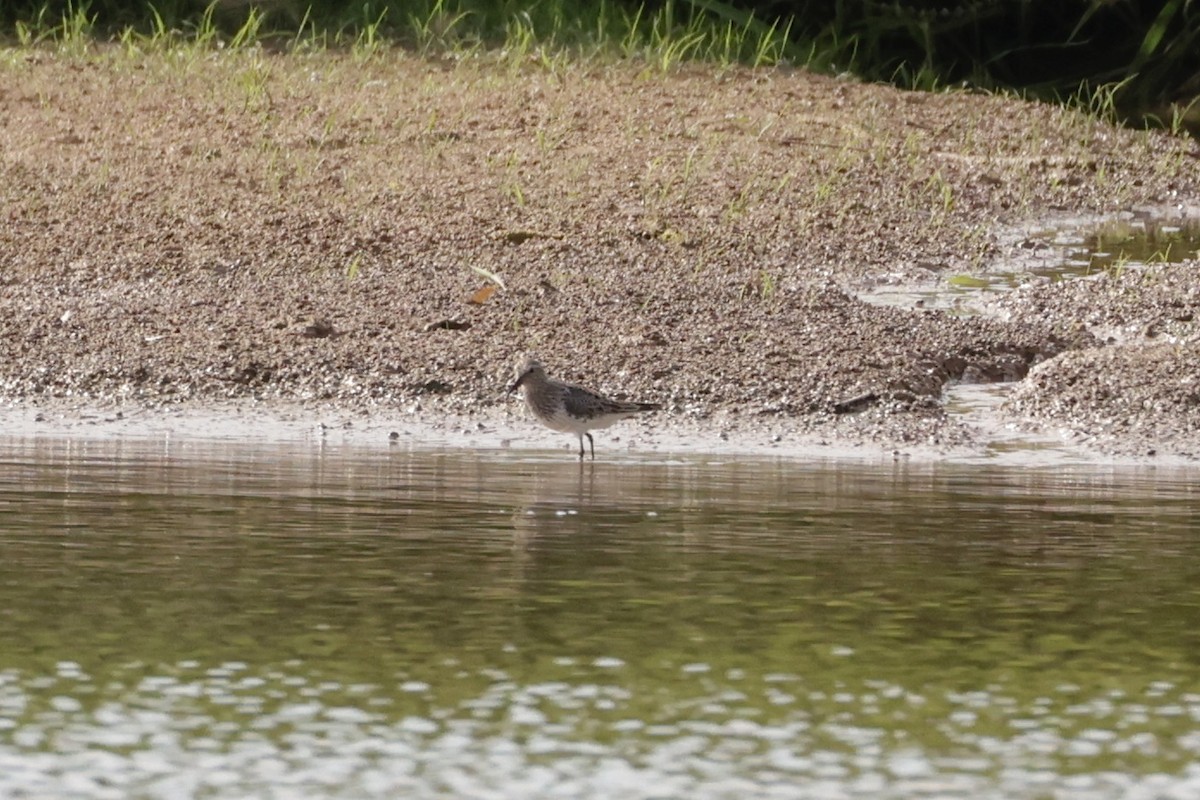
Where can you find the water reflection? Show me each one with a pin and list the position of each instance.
(186, 620)
(1067, 250)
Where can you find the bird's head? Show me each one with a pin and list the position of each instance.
(528, 367)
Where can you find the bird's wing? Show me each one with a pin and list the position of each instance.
(583, 403)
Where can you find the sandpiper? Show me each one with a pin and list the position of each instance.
(569, 408)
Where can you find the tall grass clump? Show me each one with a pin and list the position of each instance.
(665, 34)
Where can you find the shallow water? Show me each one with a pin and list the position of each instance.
(1128, 242)
(1062, 251)
(184, 620)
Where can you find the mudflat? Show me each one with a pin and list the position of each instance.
(386, 236)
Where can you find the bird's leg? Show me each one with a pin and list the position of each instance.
(591, 442)
(581, 446)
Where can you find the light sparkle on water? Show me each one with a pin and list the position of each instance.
(356, 623)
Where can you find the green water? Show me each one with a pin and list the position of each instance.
(190, 620)
(1121, 244)
(1064, 253)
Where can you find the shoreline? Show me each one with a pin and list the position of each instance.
(511, 431)
(378, 242)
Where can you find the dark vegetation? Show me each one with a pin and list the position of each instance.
(1139, 62)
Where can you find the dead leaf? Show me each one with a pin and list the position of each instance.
(491, 276)
(482, 296)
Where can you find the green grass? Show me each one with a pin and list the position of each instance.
(546, 34)
(1145, 77)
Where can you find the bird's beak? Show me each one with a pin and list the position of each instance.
(517, 384)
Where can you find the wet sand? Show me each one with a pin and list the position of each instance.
(990, 437)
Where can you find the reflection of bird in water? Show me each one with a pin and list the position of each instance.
(569, 408)
(560, 504)
(600, 505)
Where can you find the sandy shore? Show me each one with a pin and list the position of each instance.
(380, 241)
(991, 438)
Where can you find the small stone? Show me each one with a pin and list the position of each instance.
(318, 329)
(448, 325)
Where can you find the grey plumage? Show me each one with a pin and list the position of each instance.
(569, 408)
